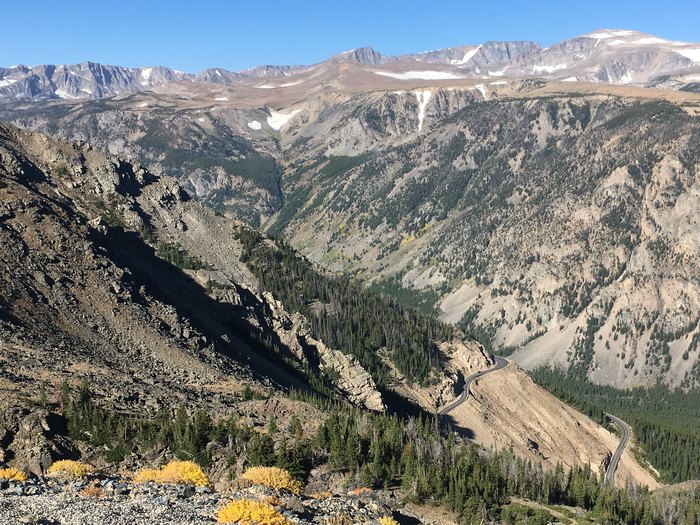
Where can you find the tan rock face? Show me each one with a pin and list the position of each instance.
(507, 409)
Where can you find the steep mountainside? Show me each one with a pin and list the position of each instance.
(559, 224)
(112, 275)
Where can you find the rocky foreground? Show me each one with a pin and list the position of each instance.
(110, 501)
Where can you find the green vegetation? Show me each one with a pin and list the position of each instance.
(428, 464)
(345, 315)
(422, 300)
(665, 422)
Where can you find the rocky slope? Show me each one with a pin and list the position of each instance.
(89, 293)
(558, 223)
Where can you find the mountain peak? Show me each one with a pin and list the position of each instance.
(364, 55)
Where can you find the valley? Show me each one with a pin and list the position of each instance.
(451, 287)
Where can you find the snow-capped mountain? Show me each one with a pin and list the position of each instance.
(608, 56)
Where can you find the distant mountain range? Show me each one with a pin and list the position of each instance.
(609, 56)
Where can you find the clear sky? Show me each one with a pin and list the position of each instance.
(194, 35)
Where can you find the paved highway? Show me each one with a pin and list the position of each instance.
(615, 460)
(500, 363)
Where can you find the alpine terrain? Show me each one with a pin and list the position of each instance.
(456, 286)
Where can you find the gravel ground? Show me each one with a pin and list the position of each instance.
(71, 509)
(46, 502)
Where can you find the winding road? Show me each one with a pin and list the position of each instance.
(615, 460)
(500, 363)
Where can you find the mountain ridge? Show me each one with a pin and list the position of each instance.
(622, 57)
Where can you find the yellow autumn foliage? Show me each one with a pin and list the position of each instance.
(67, 468)
(251, 512)
(12, 474)
(146, 475)
(387, 520)
(274, 477)
(179, 472)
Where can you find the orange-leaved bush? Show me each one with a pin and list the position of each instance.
(250, 512)
(277, 478)
(180, 472)
(67, 468)
(12, 474)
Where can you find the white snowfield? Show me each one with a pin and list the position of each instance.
(277, 120)
(146, 75)
(423, 97)
(549, 69)
(62, 94)
(8, 82)
(467, 56)
(221, 99)
(610, 34)
(691, 53)
(254, 124)
(275, 86)
(420, 75)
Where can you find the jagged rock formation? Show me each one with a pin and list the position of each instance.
(608, 56)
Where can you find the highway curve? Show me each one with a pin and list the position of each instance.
(500, 363)
(615, 460)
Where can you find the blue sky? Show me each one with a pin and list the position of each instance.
(192, 36)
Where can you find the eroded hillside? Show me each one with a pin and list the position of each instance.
(558, 224)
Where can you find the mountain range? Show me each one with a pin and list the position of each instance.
(551, 219)
(620, 57)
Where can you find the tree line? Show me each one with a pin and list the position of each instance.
(665, 422)
(344, 315)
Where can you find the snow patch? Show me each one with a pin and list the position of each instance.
(143, 104)
(286, 84)
(420, 75)
(221, 99)
(650, 40)
(8, 82)
(276, 119)
(200, 119)
(609, 34)
(218, 73)
(496, 73)
(481, 89)
(146, 76)
(549, 69)
(626, 78)
(89, 92)
(63, 94)
(570, 79)
(423, 97)
(498, 83)
(254, 124)
(691, 53)
(467, 56)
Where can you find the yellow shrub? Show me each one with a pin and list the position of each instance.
(274, 477)
(12, 474)
(146, 475)
(249, 512)
(68, 468)
(92, 492)
(387, 520)
(181, 472)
